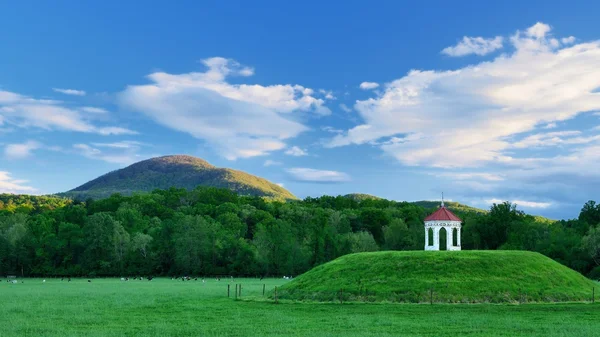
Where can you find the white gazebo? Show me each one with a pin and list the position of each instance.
(442, 221)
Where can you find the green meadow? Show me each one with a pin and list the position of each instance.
(165, 307)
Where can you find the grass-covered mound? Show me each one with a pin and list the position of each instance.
(464, 276)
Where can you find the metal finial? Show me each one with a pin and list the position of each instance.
(442, 199)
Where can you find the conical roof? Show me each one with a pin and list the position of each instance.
(442, 214)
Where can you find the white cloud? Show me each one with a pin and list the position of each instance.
(71, 92)
(331, 129)
(471, 175)
(368, 85)
(296, 152)
(466, 117)
(539, 30)
(13, 186)
(345, 108)
(270, 162)
(568, 40)
(474, 45)
(114, 130)
(522, 203)
(317, 176)
(327, 93)
(126, 144)
(27, 112)
(122, 153)
(20, 151)
(555, 138)
(93, 110)
(550, 126)
(239, 120)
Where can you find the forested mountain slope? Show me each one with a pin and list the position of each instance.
(178, 171)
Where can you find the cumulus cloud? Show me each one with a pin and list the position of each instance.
(474, 45)
(28, 112)
(568, 40)
(317, 176)
(71, 92)
(20, 151)
(14, 186)
(493, 116)
(368, 85)
(296, 152)
(238, 120)
(435, 117)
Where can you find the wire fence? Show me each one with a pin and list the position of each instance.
(431, 296)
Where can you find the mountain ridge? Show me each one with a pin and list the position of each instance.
(181, 171)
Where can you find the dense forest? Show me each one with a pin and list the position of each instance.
(211, 231)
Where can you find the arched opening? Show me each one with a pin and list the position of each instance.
(430, 237)
(443, 239)
(454, 237)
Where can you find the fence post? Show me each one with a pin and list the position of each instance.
(240, 290)
(276, 296)
(236, 291)
(228, 286)
(264, 290)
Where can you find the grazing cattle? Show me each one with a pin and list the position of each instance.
(14, 282)
(44, 281)
(89, 281)
(122, 279)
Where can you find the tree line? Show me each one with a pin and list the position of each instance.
(211, 231)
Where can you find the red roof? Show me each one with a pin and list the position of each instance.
(442, 214)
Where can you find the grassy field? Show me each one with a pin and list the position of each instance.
(454, 277)
(164, 307)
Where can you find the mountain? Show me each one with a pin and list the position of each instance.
(176, 171)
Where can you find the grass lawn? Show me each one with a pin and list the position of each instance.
(164, 307)
(498, 276)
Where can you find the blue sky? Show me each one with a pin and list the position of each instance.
(483, 101)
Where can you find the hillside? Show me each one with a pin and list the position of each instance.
(452, 205)
(176, 171)
(361, 196)
(465, 276)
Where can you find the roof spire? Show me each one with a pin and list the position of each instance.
(442, 199)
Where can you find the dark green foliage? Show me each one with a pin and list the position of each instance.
(176, 171)
(214, 231)
(21, 203)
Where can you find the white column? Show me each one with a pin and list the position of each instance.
(449, 238)
(436, 238)
(458, 239)
(426, 237)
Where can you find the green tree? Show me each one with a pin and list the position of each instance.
(591, 243)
